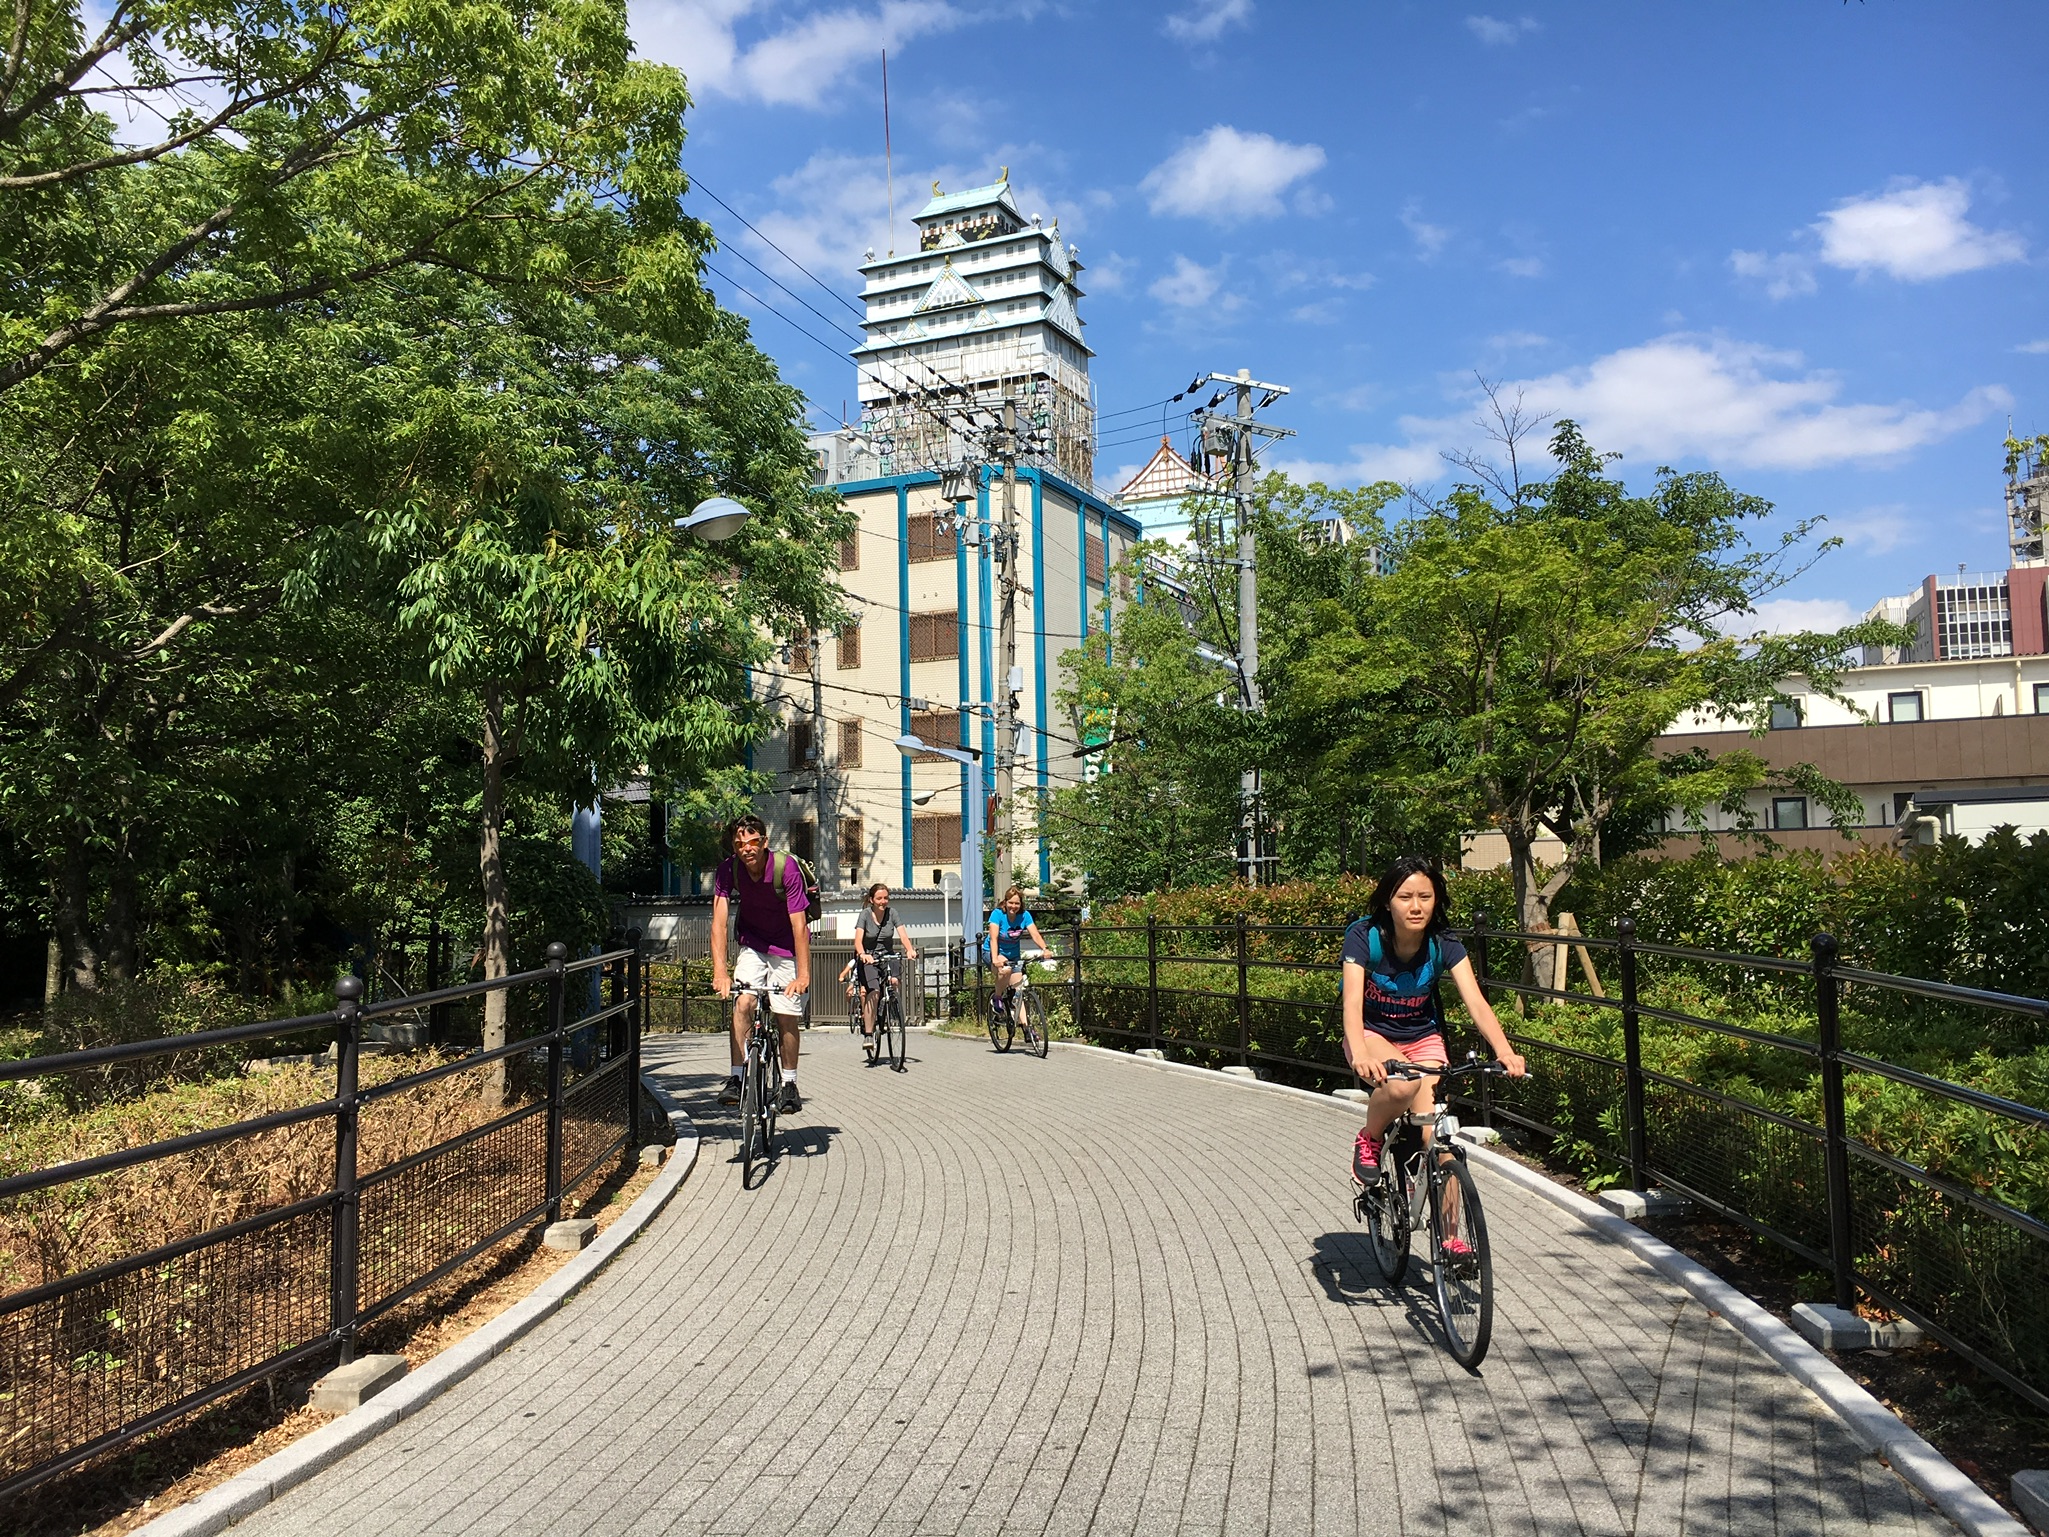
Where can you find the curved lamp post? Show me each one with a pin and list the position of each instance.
(971, 821)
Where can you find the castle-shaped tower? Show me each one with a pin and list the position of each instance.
(987, 306)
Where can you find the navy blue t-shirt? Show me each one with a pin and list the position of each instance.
(1401, 1003)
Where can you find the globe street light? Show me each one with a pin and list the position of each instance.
(715, 520)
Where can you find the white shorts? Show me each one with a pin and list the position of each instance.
(779, 971)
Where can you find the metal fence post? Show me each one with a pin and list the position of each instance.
(615, 1027)
(1075, 1007)
(557, 953)
(1244, 1002)
(1152, 982)
(636, 983)
(1632, 1055)
(1835, 1128)
(344, 1254)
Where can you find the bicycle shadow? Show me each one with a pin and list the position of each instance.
(1344, 1267)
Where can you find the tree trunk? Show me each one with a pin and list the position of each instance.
(121, 947)
(497, 902)
(74, 918)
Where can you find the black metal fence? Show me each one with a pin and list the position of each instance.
(92, 1360)
(1932, 1244)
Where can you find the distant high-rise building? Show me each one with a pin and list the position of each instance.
(987, 306)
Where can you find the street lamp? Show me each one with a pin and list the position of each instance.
(715, 520)
(971, 821)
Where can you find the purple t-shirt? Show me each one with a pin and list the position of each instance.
(765, 912)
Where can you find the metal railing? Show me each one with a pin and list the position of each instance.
(91, 1361)
(1941, 1250)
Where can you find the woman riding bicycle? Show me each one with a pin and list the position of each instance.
(873, 936)
(1394, 959)
(1008, 926)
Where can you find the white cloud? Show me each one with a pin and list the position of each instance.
(2037, 348)
(1733, 405)
(1513, 341)
(1784, 276)
(1108, 274)
(1522, 266)
(1913, 231)
(1190, 285)
(1430, 238)
(1875, 530)
(1208, 20)
(1228, 177)
(1496, 33)
(1791, 616)
(800, 65)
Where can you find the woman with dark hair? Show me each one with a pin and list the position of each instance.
(877, 931)
(1395, 958)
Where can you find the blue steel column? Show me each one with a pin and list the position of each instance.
(983, 765)
(1039, 651)
(903, 662)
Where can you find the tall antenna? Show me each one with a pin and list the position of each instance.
(888, 165)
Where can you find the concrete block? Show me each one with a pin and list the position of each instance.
(1151, 1054)
(654, 1155)
(572, 1235)
(2031, 1494)
(1831, 1328)
(1635, 1205)
(1241, 1072)
(351, 1386)
(1356, 1096)
(1479, 1136)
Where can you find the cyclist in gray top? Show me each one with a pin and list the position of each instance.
(873, 935)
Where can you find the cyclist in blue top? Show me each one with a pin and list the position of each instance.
(1008, 926)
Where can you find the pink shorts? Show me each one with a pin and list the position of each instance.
(1428, 1052)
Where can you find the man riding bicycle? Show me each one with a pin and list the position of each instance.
(1008, 926)
(775, 946)
(874, 935)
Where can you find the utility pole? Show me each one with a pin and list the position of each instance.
(827, 852)
(1255, 855)
(1006, 709)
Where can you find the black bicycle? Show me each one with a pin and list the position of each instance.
(761, 1088)
(887, 1043)
(1423, 1179)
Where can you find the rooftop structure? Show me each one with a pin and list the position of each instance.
(986, 307)
(1154, 496)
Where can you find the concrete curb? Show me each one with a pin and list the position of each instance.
(1876, 1428)
(249, 1491)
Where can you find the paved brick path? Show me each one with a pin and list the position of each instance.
(997, 1295)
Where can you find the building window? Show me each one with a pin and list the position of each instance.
(853, 843)
(935, 839)
(935, 637)
(850, 552)
(803, 745)
(926, 541)
(1903, 707)
(1901, 800)
(1785, 715)
(1095, 561)
(936, 728)
(850, 743)
(850, 647)
(2042, 698)
(1789, 812)
(804, 841)
(800, 654)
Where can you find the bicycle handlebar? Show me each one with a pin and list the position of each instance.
(1397, 1068)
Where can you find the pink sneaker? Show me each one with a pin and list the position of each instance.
(1366, 1158)
(1457, 1248)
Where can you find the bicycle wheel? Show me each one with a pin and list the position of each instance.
(895, 1026)
(752, 1140)
(1464, 1279)
(1002, 1029)
(1036, 1039)
(771, 1090)
(1386, 1210)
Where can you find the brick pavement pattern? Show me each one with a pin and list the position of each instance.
(999, 1295)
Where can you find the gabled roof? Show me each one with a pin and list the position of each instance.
(996, 194)
(1165, 474)
(948, 291)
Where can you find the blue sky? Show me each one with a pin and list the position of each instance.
(1803, 242)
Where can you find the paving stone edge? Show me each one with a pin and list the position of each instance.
(1876, 1428)
(249, 1491)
